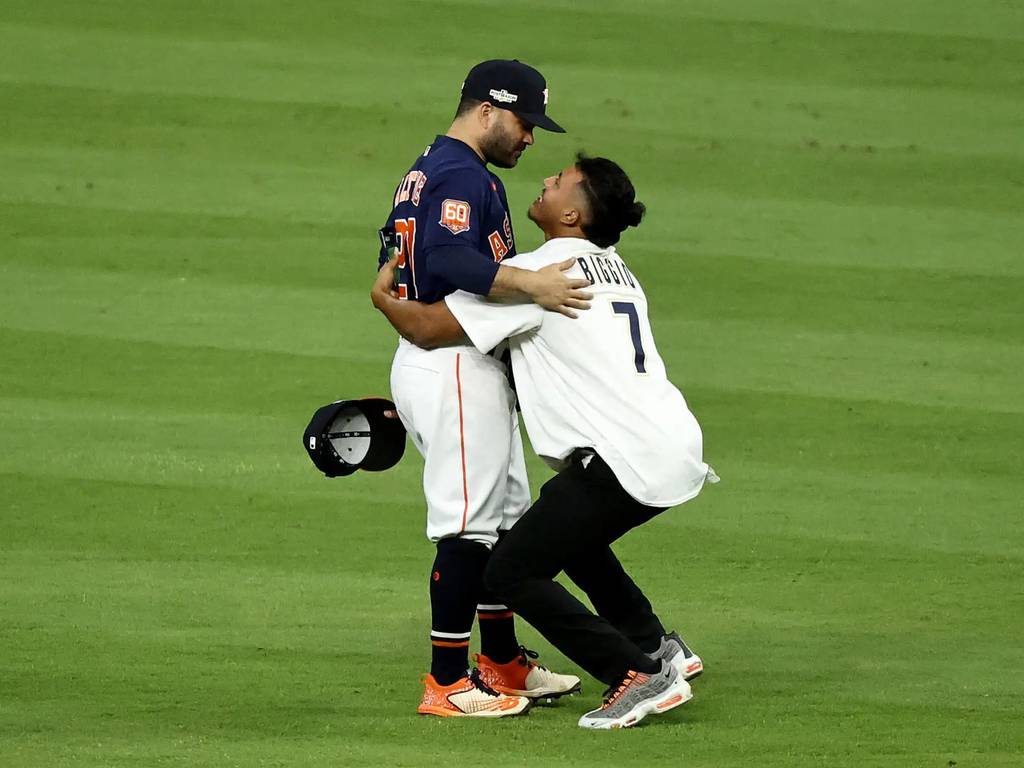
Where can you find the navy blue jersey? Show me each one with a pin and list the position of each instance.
(447, 203)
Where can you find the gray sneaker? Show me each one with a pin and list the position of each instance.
(677, 653)
(638, 695)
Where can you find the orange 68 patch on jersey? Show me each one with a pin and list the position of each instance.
(455, 216)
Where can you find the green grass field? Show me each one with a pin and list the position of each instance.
(833, 253)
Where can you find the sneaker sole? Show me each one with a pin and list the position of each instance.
(691, 671)
(488, 713)
(689, 667)
(674, 697)
(539, 694)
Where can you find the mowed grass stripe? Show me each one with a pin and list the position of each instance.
(868, 465)
(807, 166)
(929, 53)
(995, 19)
(218, 454)
(951, 507)
(921, 367)
(804, 162)
(816, 234)
(197, 312)
(302, 522)
(298, 133)
(169, 378)
(113, 179)
(702, 109)
(803, 363)
(892, 471)
(888, 367)
(108, 180)
(880, 296)
(803, 169)
(207, 400)
(857, 113)
(92, 223)
(879, 299)
(682, 229)
(313, 21)
(848, 594)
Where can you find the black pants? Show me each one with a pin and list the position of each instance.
(579, 513)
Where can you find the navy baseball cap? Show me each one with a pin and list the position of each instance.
(510, 84)
(347, 435)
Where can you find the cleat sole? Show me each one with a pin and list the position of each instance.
(542, 694)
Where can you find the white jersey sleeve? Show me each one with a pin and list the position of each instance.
(487, 323)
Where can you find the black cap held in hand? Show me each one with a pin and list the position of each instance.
(510, 84)
(354, 434)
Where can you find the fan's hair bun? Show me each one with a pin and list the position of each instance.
(635, 214)
(611, 198)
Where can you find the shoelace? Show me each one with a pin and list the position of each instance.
(475, 678)
(613, 693)
(526, 657)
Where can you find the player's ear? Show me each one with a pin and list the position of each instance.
(485, 114)
(571, 217)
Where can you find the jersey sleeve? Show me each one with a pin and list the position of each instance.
(455, 209)
(487, 323)
(452, 232)
(463, 268)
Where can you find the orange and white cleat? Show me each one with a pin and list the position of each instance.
(524, 677)
(468, 697)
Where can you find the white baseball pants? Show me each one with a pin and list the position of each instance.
(459, 410)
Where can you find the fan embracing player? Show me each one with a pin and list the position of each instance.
(601, 410)
(450, 228)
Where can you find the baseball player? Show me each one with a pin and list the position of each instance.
(450, 229)
(600, 409)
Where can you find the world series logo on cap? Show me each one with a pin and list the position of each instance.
(504, 96)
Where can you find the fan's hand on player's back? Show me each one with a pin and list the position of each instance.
(551, 289)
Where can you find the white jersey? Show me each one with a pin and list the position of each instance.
(596, 381)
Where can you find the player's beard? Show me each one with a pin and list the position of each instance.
(500, 147)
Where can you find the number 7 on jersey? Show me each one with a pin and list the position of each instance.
(628, 309)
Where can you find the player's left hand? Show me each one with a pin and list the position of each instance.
(384, 286)
(554, 291)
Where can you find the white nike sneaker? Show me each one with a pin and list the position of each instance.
(678, 654)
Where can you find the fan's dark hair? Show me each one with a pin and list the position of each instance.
(611, 197)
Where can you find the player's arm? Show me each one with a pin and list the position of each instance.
(468, 270)
(428, 326)
(450, 238)
(547, 287)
